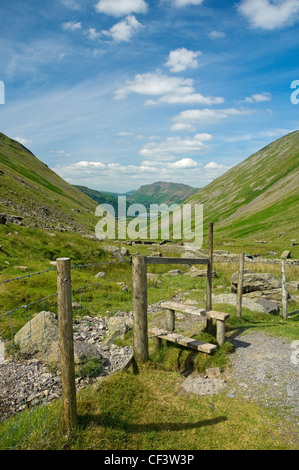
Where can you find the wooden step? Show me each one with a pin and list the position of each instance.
(183, 340)
(190, 309)
(193, 310)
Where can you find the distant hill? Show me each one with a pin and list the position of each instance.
(257, 199)
(161, 192)
(33, 195)
(99, 196)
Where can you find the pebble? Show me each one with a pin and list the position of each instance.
(263, 370)
(27, 383)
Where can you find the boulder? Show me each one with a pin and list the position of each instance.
(117, 328)
(100, 275)
(285, 254)
(114, 251)
(38, 334)
(253, 282)
(83, 352)
(175, 272)
(195, 272)
(255, 304)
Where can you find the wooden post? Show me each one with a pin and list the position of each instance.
(140, 328)
(209, 289)
(170, 319)
(220, 332)
(284, 291)
(240, 285)
(66, 346)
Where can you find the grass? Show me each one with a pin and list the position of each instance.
(150, 411)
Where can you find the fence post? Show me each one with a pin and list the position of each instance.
(66, 346)
(140, 328)
(210, 276)
(240, 285)
(284, 291)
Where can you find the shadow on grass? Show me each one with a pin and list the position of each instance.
(109, 420)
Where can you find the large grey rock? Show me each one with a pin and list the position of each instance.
(83, 352)
(195, 272)
(253, 282)
(255, 304)
(38, 334)
(114, 251)
(117, 327)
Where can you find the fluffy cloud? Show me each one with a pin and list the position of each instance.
(175, 145)
(184, 3)
(269, 15)
(168, 89)
(217, 35)
(186, 120)
(92, 34)
(120, 8)
(124, 30)
(181, 59)
(258, 97)
(71, 26)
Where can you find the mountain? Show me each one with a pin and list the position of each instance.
(161, 192)
(257, 199)
(33, 195)
(99, 196)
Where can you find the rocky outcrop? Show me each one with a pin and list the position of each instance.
(253, 282)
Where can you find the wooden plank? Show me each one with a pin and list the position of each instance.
(166, 260)
(177, 307)
(184, 341)
(217, 315)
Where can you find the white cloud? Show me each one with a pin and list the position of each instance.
(258, 97)
(171, 90)
(71, 26)
(181, 59)
(120, 8)
(175, 145)
(124, 30)
(86, 164)
(214, 165)
(217, 35)
(22, 140)
(184, 3)
(187, 119)
(72, 4)
(269, 15)
(92, 34)
(184, 163)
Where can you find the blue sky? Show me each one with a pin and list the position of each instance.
(113, 94)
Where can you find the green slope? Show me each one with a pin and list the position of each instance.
(99, 196)
(161, 192)
(257, 199)
(36, 195)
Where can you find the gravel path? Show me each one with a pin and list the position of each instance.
(265, 369)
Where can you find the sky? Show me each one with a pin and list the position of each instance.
(115, 94)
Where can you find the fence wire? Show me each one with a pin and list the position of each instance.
(30, 379)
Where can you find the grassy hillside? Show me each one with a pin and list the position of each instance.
(161, 192)
(258, 199)
(99, 196)
(33, 195)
